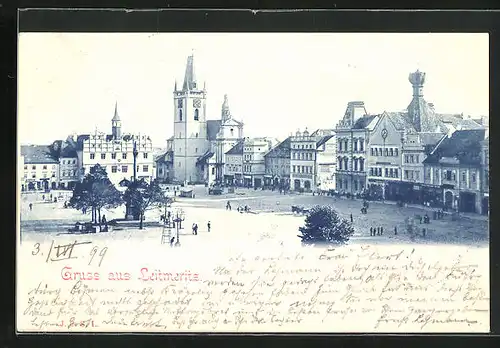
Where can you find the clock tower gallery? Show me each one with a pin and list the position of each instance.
(190, 126)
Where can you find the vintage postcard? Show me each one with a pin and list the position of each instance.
(253, 182)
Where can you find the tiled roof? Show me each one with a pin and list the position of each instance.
(213, 127)
(80, 139)
(323, 140)
(166, 157)
(68, 151)
(205, 157)
(400, 121)
(38, 154)
(458, 122)
(430, 138)
(363, 122)
(281, 150)
(236, 149)
(463, 145)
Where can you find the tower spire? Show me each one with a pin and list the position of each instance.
(189, 76)
(225, 113)
(116, 117)
(175, 86)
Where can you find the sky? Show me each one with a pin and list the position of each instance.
(276, 83)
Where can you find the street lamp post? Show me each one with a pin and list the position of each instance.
(179, 217)
(135, 153)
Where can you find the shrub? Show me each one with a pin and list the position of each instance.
(324, 225)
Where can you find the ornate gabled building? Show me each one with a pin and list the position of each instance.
(115, 153)
(352, 136)
(199, 144)
(277, 163)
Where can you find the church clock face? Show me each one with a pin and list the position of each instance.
(179, 103)
(197, 103)
(384, 133)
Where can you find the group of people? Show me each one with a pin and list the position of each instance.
(195, 228)
(425, 219)
(378, 231)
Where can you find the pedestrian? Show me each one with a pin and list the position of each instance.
(195, 229)
(351, 217)
(423, 232)
(381, 231)
(103, 219)
(395, 230)
(172, 240)
(208, 226)
(374, 231)
(371, 231)
(31, 206)
(420, 218)
(43, 198)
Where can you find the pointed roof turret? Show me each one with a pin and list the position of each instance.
(189, 76)
(116, 117)
(175, 86)
(226, 113)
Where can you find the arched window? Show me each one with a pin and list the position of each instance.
(355, 164)
(340, 162)
(196, 114)
(346, 167)
(361, 164)
(180, 115)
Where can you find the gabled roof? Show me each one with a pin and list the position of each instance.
(213, 127)
(363, 122)
(166, 157)
(323, 140)
(205, 157)
(400, 121)
(458, 122)
(281, 149)
(38, 154)
(237, 149)
(464, 145)
(430, 138)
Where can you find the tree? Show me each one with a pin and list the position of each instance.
(324, 225)
(97, 192)
(144, 196)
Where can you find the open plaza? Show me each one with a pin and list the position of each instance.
(270, 219)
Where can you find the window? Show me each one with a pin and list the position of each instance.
(386, 172)
(137, 169)
(196, 135)
(340, 164)
(372, 152)
(386, 152)
(355, 164)
(346, 167)
(395, 152)
(396, 174)
(180, 115)
(196, 150)
(355, 146)
(103, 156)
(448, 175)
(213, 171)
(340, 184)
(25, 167)
(473, 177)
(53, 175)
(361, 145)
(74, 161)
(145, 168)
(391, 173)
(417, 175)
(44, 167)
(417, 159)
(124, 156)
(113, 156)
(411, 159)
(145, 155)
(340, 146)
(303, 169)
(114, 169)
(391, 152)
(33, 176)
(124, 169)
(464, 177)
(232, 131)
(371, 171)
(196, 114)
(361, 165)
(406, 174)
(345, 145)
(92, 156)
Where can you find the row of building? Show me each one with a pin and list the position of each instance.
(417, 155)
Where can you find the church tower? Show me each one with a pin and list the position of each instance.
(116, 124)
(190, 125)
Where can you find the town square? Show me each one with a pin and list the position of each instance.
(253, 182)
